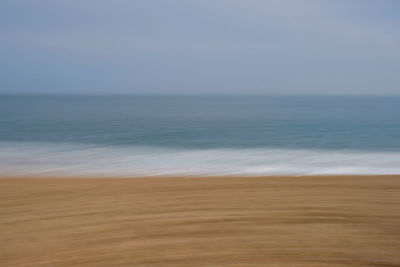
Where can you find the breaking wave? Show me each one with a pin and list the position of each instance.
(47, 159)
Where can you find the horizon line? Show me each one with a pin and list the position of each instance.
(197, 94)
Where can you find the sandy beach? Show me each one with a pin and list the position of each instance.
(229, 221)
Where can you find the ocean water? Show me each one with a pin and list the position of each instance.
(198, 135)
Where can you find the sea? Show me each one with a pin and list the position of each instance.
(172, 135)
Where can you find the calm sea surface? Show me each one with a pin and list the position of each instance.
(210, 135)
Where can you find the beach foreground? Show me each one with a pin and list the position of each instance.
(230, 221)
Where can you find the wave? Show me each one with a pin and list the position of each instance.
(47, 159)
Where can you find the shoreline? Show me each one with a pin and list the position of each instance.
(346, 220)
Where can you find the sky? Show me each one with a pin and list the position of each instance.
(284, 47)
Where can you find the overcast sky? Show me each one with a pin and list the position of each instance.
(200, 46)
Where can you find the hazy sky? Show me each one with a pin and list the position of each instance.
(200, 46)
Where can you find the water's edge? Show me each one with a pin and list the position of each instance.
(53, 159)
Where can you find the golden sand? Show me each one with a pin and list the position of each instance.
(258, 221)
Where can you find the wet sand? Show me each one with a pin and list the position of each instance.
(258, 221)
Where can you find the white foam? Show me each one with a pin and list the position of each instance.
(91, 160)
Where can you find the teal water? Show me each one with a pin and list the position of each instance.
(140, 135)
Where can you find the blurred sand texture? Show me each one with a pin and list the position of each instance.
(200, 221)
